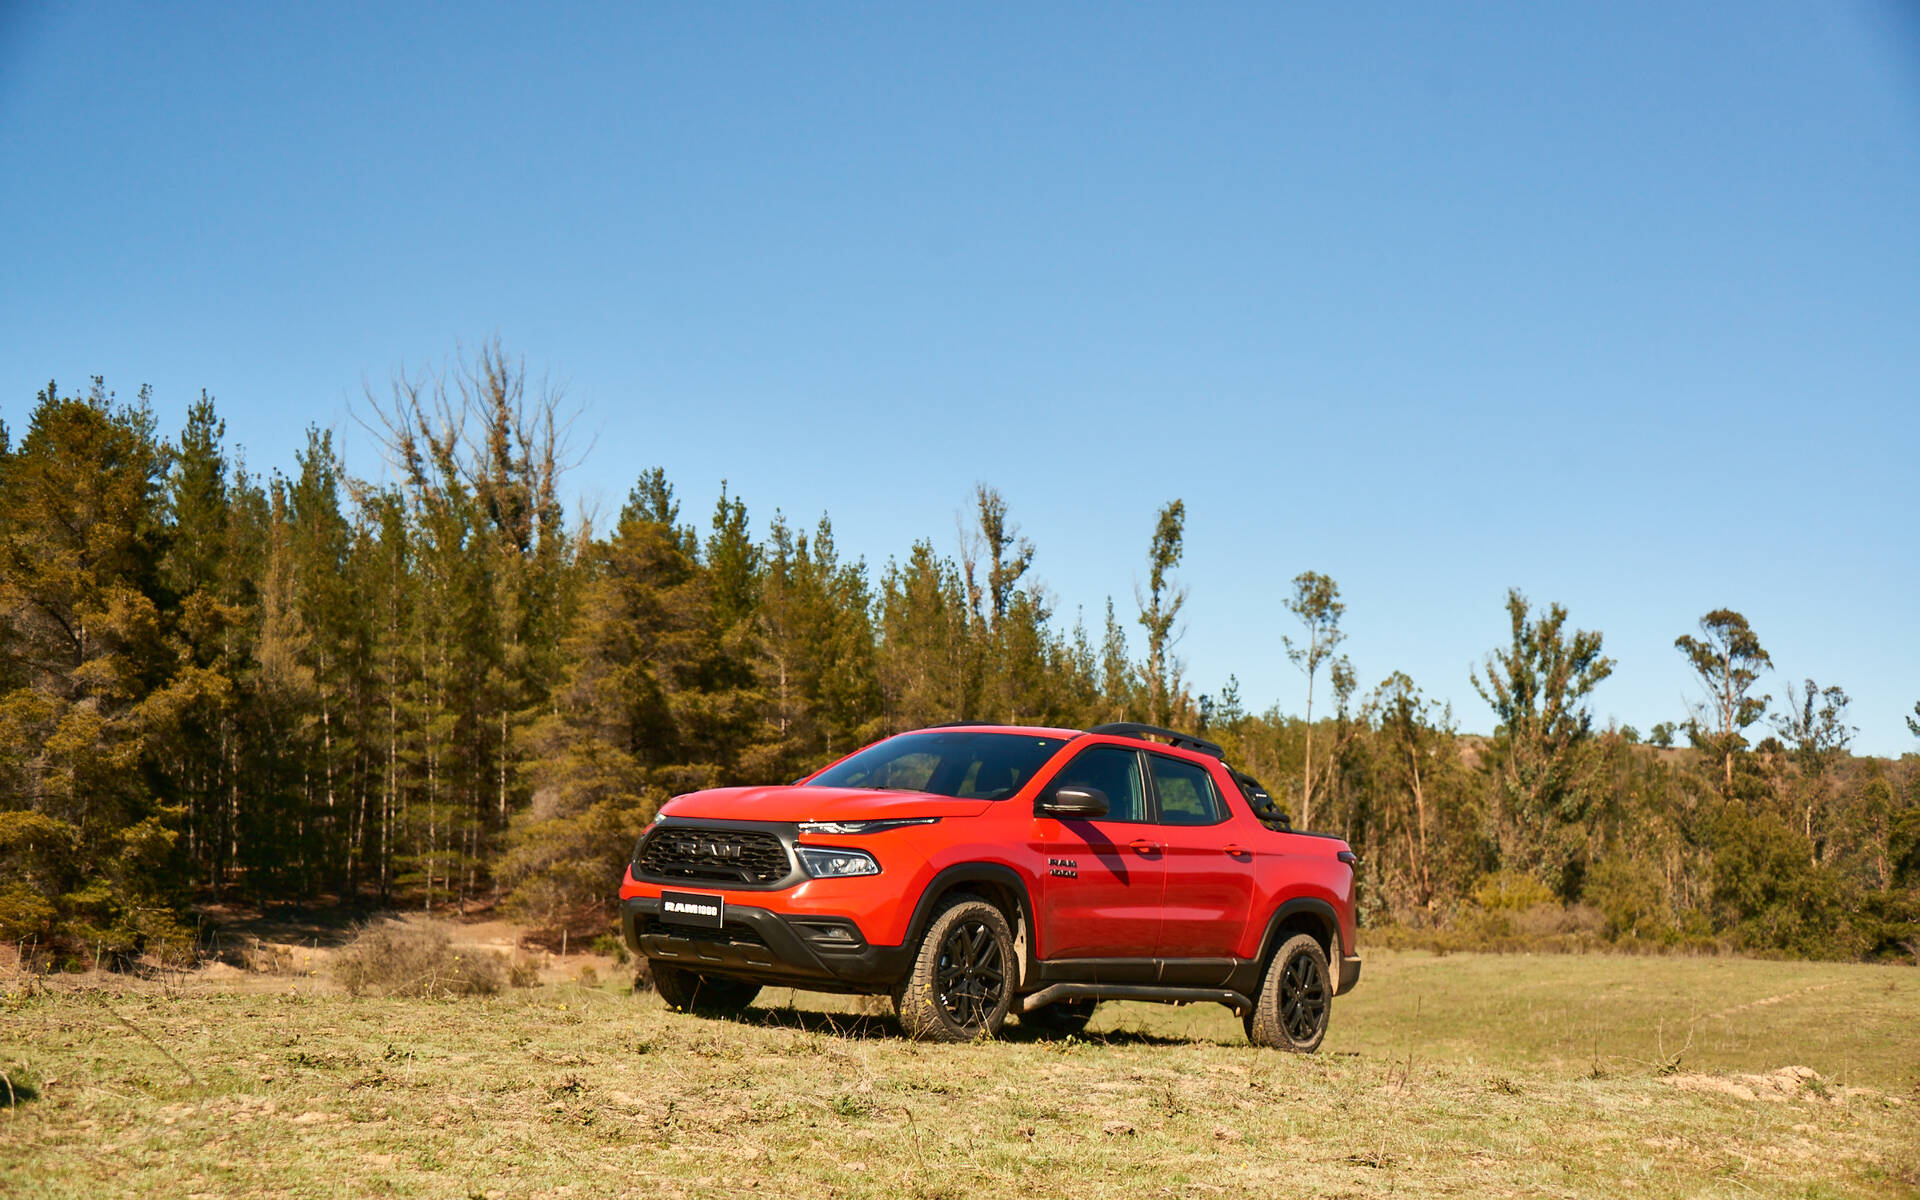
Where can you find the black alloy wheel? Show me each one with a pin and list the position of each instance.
(1304, 1001)
(961, 984)
(1296, 998)
(972, 974)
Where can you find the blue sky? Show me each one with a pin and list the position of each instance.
(1619, 303)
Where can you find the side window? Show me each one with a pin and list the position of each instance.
(1114, 771)
(1186, 793)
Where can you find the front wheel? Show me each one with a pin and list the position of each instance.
(961, 983)
(1296, 998)
(705, 995)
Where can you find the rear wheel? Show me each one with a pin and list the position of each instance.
(704, 995)
(961, 983)
(1296, 998)
(1065, 1018)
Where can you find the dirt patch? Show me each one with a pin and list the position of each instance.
(1766, 1001)
(1787, 1083)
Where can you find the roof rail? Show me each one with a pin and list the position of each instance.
(1184, 741)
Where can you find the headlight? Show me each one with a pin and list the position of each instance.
(826, 862)
(841, 828)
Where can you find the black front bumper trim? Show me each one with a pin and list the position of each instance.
(767, 947)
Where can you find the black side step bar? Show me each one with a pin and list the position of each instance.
(1130, 991)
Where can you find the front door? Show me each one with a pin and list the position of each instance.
(1105, 878)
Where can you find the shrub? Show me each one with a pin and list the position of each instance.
(24, 913)
(1511, 891)
(523, 972)
(1632, 894)
(613, 946)
(401, 958)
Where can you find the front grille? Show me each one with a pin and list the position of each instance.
(748, 856)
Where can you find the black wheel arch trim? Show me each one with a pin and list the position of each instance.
(950, 879)
(1329, 920)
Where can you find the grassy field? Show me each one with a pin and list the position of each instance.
(1464, 1075)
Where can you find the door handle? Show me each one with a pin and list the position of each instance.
(1143, 847)
(1237, 851)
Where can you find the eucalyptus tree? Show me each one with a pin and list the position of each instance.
(1160, 609)
(1728, 660)
(1316, 602)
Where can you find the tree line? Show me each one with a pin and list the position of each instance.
(439, 689)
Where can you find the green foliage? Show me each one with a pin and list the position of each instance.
(93, 685)
(1545, 752)
(1631, 894)
(1770, 894)
(1510, 891)
(437, 690)
(25, 914)
(1316, 602)
(1728, 659)
(1161, 609)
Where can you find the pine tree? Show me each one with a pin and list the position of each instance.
(203, 618)
(1544, 753)
(89, 842)
(1120, 689)
(927, 667)
(645, 710)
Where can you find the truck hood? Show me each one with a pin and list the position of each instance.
(789, 803)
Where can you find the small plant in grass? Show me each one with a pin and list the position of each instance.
(402, 958)
(17, 1086)
(523, 972)
(612, 946)
(848, 1104)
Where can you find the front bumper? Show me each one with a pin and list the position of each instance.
(767, 947)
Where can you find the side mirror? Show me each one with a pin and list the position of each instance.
(1075, 802)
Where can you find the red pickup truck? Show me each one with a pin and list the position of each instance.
(977, 871)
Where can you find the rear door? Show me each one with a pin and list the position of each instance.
(1105, 878)
(1209, 875)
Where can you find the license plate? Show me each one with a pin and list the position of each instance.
(691, 908)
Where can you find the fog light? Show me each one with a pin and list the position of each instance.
(830, 935)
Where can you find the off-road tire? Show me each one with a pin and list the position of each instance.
(962, 980)
(1296, 998)
(1065, 1018)
(704, 995)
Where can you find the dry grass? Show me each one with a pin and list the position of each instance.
(1464, 1075)
(410, 958)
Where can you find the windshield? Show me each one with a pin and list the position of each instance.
(967, 766)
